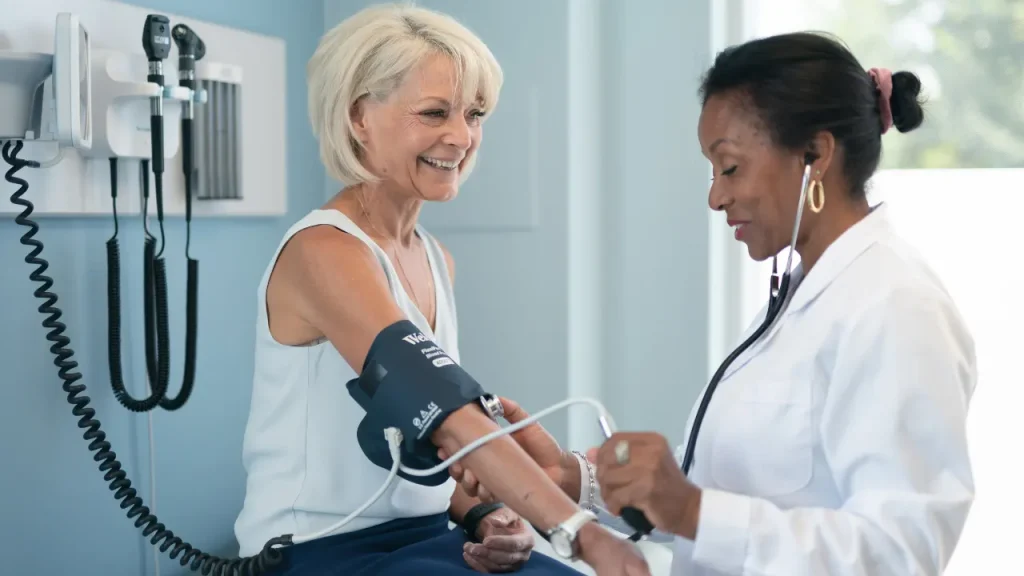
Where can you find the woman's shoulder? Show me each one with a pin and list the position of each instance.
(324, 258)
(323, 248)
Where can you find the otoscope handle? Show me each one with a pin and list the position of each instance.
(156, 133)
(188, 154)
(633, 516)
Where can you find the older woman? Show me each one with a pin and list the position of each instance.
(836, 442)
(397, 98)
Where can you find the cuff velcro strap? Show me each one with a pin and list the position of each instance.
(408, 382)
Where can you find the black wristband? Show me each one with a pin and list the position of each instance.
(471, 521)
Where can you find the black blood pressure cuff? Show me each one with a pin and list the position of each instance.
(408, 382)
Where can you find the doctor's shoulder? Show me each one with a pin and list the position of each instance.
(903, 312)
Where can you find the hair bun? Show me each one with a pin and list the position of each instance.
(907, 113)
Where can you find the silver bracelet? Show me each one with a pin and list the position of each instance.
(590, 500)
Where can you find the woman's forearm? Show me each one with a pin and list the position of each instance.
(461, 503)
(508, 472)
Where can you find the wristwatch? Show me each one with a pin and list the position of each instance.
(492, 406)
(563, 537)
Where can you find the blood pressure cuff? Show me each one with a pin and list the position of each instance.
(408, 382)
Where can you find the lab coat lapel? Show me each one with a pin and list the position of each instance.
(836, 258)
(839, 256)
(756, 347)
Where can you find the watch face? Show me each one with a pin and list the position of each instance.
(561, 544)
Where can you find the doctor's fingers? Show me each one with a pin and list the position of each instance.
(512, 410)
(625, 495)
(464, 477)
(480, 491)
(455, 470)
(471, 486)
(615, 478)
(638, 449)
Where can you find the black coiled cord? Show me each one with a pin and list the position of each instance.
(155, 287)
(157, 323)
(158, 384)
(197, 560)
(153, 371)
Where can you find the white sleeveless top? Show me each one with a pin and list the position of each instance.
(305, 470)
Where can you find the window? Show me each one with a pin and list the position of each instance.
(955, 189)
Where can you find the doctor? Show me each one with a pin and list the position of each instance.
(836, 443)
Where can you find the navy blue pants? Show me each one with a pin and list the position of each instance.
(418, 546)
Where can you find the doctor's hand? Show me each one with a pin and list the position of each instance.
(610, 555)
(505, 543)
(638, 469)
(560, 466)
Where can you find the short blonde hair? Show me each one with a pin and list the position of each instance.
(370, 53)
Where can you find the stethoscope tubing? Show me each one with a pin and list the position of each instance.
(778, 292)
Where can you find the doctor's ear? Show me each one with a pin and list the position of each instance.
(821, 150)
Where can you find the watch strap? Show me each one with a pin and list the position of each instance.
(571, 527)
(471, 521)
(576, 522)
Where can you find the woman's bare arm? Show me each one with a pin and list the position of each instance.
(334, 284)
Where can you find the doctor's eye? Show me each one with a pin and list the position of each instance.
(727, 172)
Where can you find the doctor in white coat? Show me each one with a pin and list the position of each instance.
(835, 444)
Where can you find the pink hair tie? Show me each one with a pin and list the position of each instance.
(883, 80)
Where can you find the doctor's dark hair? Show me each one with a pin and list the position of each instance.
(803, 83)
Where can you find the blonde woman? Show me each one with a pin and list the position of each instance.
(397, 98)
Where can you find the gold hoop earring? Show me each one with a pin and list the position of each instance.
(816, 204)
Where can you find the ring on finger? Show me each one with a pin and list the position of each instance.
(622, 452)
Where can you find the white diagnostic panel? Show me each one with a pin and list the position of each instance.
(80, 184)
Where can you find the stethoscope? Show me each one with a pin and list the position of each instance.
(778, 291)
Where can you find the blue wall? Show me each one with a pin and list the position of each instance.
(57, 515)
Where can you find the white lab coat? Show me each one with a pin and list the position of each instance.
(836, 445)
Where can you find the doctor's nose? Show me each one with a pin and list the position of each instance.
(718, 200)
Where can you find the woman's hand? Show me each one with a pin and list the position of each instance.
(505, 543)
(649, 480)
(562, 467)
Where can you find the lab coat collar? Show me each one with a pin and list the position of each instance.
(838, 256)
